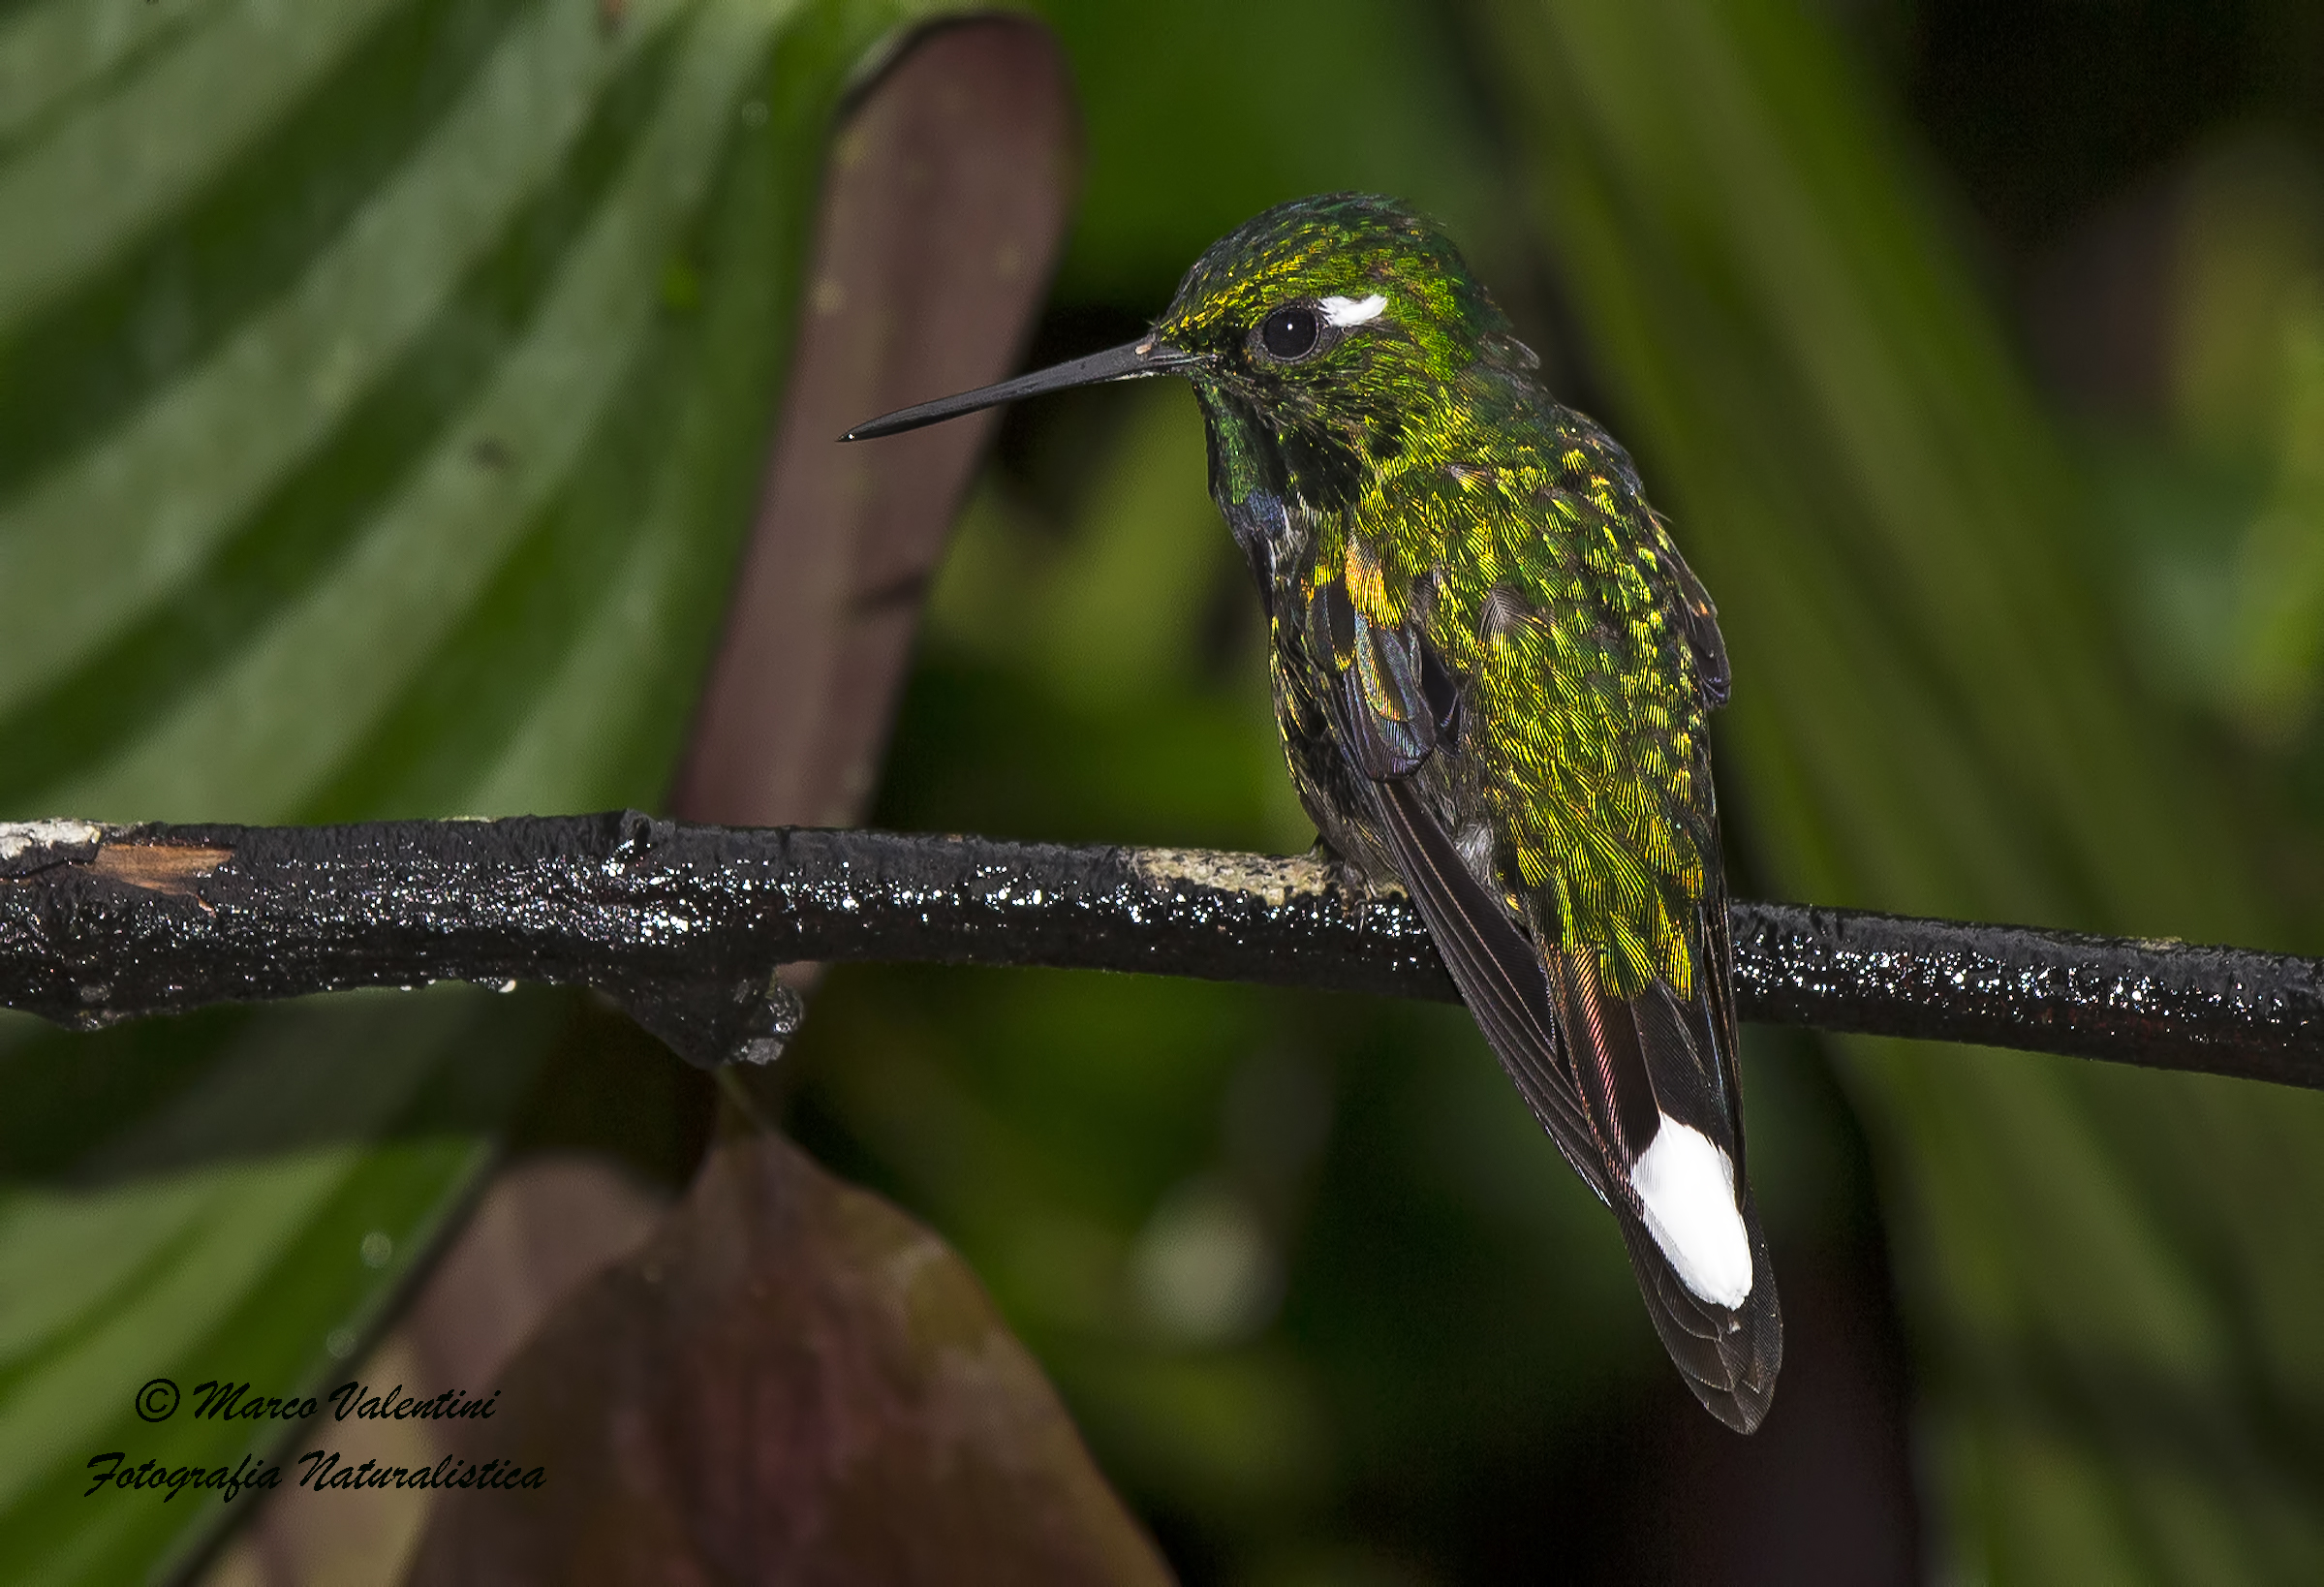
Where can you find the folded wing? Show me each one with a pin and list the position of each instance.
(1639, 1092)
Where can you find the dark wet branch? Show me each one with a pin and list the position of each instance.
(685, 925)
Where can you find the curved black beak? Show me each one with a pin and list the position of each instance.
(1147, 356)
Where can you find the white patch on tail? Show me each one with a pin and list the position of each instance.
(1689, 1186)
(1349, 311)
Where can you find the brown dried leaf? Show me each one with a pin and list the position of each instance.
(792, 1383)
(947, 197)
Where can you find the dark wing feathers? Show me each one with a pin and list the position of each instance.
(1604, 1041)
(1719, 989)
(1491, 960)
(1636, 1059)
(1499, 977)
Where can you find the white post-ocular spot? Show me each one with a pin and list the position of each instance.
(1687, 1185)
(1351, 311)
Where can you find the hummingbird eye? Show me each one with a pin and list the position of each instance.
(1290, 333)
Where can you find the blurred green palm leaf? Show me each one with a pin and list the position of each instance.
(383, 390)
(2112, 1276)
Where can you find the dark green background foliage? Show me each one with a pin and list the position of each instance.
(376, 445)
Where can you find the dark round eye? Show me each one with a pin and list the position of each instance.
(1290, 333)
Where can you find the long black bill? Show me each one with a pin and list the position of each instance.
(1133, 362)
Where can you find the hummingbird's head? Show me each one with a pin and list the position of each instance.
(1345, 306)
(1331, 331)
(1323, 333)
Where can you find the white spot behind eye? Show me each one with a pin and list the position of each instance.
(1350, 311)
(1689, 1186)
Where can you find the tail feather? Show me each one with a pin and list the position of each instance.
(1651, 1065)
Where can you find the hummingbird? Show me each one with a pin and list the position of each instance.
(1494, 675)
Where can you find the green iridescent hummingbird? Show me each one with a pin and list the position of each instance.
(1494, 675)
